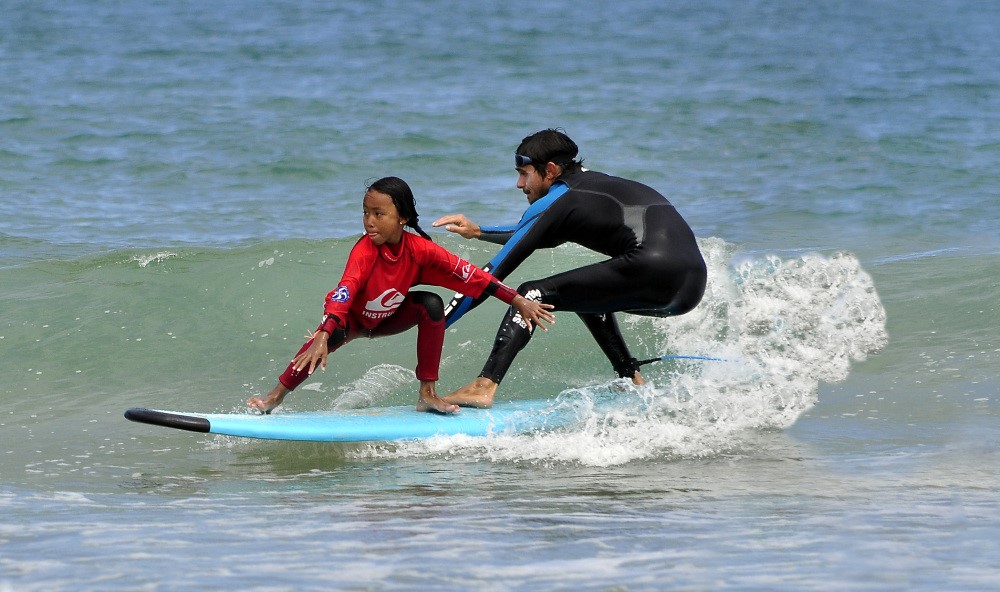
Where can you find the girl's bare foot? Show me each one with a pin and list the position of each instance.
(430, 401)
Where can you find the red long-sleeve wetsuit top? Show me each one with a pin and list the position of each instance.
(377, 278)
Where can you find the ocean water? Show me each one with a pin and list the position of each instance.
(180, 184)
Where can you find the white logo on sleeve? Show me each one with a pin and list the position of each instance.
(384, 304)
(463, 270)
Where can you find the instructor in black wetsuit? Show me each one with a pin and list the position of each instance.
(655, 266)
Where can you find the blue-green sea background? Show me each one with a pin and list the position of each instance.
(180, 184)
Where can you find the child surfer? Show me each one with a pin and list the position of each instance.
(374, 299)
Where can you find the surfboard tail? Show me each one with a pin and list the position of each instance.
(190, 423)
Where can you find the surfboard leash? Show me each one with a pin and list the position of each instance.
(680, 357)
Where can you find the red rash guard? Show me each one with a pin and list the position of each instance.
(376, 280)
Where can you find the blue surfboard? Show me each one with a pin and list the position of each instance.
(372, 424)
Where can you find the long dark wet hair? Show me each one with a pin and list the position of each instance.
(402, 198)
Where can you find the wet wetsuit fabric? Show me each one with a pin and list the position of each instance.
(655, 267)
(374, 299)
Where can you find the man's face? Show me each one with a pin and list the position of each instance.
(534, 185)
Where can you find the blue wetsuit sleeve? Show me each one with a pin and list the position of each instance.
(511, 255)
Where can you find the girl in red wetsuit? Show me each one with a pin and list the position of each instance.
(374, 298)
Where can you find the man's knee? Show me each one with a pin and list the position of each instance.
(536, 290)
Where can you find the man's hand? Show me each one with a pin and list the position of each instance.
(459, 224)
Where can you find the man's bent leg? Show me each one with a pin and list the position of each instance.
(604, 328)
(511, 338)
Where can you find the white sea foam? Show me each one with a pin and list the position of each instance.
(783, 326)
(145, 260)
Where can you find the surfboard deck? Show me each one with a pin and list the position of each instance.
(372, 424)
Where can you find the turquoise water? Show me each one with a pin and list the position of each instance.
(180, 185)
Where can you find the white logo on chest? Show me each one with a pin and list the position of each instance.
(384, 304)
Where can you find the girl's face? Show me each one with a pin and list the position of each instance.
(381, 218)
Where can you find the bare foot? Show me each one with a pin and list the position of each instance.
(621, 387)
(430, 401)
(478, 393)
(269, 401)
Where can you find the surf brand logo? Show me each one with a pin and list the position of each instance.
(463, 269)
(341, 294)
(384, 304)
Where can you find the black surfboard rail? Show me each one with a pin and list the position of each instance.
(168, 420)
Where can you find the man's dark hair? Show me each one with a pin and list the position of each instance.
(550, 145)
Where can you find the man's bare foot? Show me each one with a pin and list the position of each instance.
(621, 387)
(269, 401)
(430, 401)
(478, 393)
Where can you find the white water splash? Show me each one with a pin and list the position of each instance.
(783, 325)
(372, 389)
(144, 260)
(791, 324)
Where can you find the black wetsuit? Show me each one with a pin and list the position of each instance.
(655, 266)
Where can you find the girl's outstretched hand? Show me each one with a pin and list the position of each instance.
(315, 355)
(534, 312)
